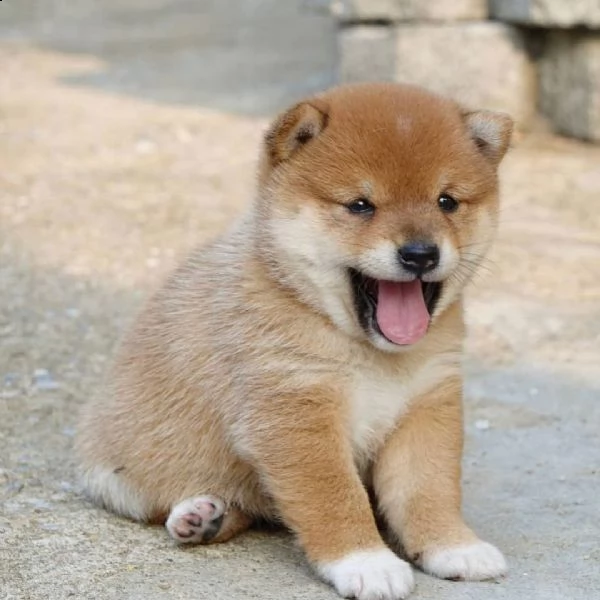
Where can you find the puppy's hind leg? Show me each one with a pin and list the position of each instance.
(205, 520)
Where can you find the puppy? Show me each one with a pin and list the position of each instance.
(312, 353)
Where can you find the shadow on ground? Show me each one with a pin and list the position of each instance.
(252, 57)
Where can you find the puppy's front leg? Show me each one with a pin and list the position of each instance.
(306, 461)
(417, 482)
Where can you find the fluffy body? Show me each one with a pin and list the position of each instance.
(248, 377)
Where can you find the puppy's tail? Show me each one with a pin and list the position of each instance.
(108, 488)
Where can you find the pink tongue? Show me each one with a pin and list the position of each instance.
(401, 312)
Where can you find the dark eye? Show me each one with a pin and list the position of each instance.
(361, 206)
(447, 203)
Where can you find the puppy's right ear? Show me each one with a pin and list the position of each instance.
(294, 129)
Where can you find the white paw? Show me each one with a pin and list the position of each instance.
(196, 520)
(474, 562)
(370, 575)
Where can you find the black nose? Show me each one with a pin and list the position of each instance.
(419, 257)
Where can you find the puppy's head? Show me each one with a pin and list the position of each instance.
(377, 202)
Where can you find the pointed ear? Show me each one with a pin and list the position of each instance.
(294, 129)
(491, 132)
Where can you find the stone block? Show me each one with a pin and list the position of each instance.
(411, 10)
(570, 83)
(367, 53)
(482, 65)
(548, 13)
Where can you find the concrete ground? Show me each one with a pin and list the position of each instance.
(128, 132)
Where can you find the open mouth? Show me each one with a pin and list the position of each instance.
(399, 311)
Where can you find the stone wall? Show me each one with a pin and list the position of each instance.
(521, 56)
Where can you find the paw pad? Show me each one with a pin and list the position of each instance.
(196, 520)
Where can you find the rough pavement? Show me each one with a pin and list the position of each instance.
(128, 132)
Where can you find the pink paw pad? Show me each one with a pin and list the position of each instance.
(196, 520)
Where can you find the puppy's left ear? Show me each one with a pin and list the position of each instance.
(294, 129)
(491, 132)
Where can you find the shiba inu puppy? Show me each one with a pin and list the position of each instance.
(312, 353)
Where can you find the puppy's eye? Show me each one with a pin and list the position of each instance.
(361, 206)
(447, 203)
